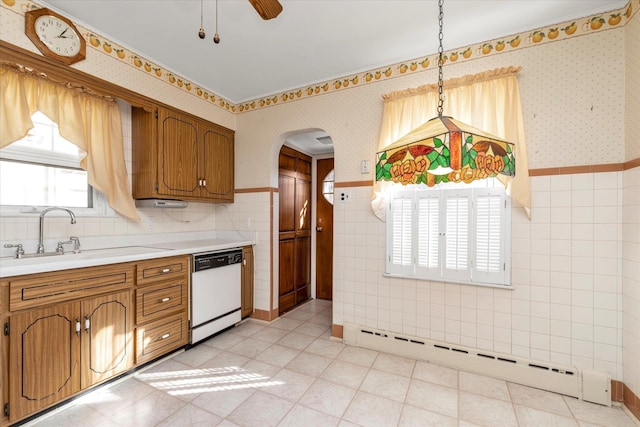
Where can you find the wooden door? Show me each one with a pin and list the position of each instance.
(44, 358)
(217, 163)
(178, 152)
(107, 337)
(294, 188)
(324, 229)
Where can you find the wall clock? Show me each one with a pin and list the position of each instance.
(55, 36)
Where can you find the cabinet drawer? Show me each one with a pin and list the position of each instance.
(47, 288)
(153, 270)
(160, 337)
(156, 301)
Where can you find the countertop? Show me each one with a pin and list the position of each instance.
(113, 251)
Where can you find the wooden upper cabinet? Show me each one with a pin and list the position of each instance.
(178, 156)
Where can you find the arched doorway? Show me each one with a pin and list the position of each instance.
(304, 235)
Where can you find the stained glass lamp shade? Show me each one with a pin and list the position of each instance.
(445, 150)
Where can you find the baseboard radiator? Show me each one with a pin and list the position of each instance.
(583, 384)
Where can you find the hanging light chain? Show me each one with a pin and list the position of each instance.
(440, 59)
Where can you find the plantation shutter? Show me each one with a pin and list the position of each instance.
(428, 245)
(490, 233)
(401, 230)
(456, 235)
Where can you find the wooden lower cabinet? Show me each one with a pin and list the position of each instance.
(60, 350)
(246, 305)
(162, 307)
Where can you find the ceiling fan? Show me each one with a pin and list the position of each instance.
(267, 9)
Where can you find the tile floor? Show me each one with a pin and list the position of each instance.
(290, 373)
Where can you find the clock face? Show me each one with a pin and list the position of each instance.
(57, 35)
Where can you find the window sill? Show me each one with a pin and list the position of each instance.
(456, 282)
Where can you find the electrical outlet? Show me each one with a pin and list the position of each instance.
(345, 196)
(149, 222)
(247, 222)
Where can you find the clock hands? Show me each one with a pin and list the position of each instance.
(62, 36)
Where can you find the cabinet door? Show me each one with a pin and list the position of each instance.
(44, 355)
(247, 281)
(107, 337)
(217, 162)
(178, 160)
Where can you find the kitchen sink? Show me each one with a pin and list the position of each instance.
(85, 254)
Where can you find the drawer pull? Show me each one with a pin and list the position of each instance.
(165, 299)
(166, 270)
(164, 337)
(78, 327)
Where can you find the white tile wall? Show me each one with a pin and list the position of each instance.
(566, 304)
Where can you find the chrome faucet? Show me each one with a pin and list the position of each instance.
(42, 214)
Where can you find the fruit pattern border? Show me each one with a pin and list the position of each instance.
(600, 22)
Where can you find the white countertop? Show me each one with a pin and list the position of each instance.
(112, 250)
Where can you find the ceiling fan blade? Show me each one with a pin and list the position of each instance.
(267, 9)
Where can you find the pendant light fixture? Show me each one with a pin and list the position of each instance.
(216, 37)
(444, 149)
(201, 33)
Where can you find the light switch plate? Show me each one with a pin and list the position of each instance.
(364, 166)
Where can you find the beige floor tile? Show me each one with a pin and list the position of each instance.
(412, 417)
(307, 417)
(486, 411)
(197, 355)
(270, 334)
(433, 397)
(302, 315)
(312, 329)
(289, 385)
(78, 415)
(385, 384)
(538, 399)
(277, 355)
(150, 410)
(436, 374)
(485, 386)
(247, 328)
(250, 347)
(368, 410)
(394, 364)
(358, 356)
(329, 398)
(191, 416)
(309, 364)
(118, 396)
(529, 417)
(225, 359)
(223, 402)
(260, 410)
(260, 368)
(224, 341)
(598, 414)
(296, 340)
(326, 348)
(323, 318)
(287, 323)
(344, 373)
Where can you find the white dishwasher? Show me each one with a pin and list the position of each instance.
(215, 292)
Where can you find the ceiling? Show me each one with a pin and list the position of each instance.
(311, 41)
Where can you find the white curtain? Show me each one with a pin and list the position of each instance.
(90, 122)
(489, 101)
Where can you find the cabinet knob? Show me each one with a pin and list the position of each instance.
(164, 337)
(166, 270)
(87, 323)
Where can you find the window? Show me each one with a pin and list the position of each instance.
(327, 187)
(456, 234)
(43, 169)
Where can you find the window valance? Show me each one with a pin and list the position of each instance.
(88, 121)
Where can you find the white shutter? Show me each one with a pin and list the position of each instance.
(490, 235)
(428, 230)
(456, 235)
(399, 251)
